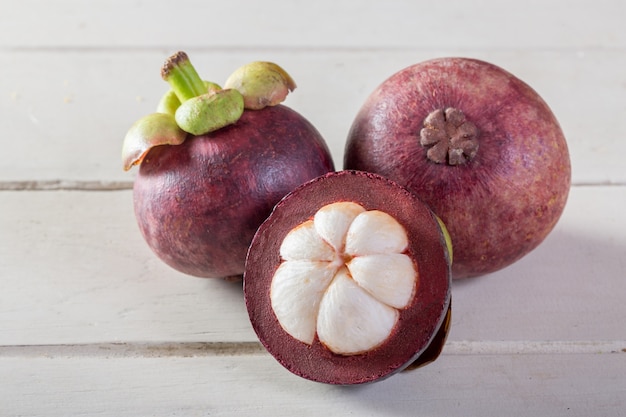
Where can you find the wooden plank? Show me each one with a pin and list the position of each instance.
(65, 113)
(535, 24)
(455, 385)
(75, 268)
(76, 271)
(565, 289)
(91, 323)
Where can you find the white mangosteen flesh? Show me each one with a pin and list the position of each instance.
(343, 278)
(348, 280)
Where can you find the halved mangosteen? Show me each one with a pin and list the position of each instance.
(348, 280)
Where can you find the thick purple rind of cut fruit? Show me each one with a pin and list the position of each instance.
(199, 204)
(504, 201)
(418, 324)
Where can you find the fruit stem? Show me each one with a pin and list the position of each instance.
(182, 77)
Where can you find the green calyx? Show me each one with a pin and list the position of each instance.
(152, 130)
(261, 83)
(197, 107)
(446, 237)
(170, 102)
(209, 112)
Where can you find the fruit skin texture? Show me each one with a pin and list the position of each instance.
(500, 204)
(421, 325)
(199, 204)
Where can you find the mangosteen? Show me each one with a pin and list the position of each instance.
(476, 144)
(214, 161)
(348, 280)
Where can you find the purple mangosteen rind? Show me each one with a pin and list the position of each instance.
(198, 204)
(514, 173)
(418, 323)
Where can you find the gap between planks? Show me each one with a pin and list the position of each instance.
(211, 349)
(72, 185)
(65, 185)
(302, 48)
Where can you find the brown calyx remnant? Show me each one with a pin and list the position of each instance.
(450, 137)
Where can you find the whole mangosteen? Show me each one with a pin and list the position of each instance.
(213, 163)
(475, 143)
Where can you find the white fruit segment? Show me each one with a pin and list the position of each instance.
(297, 289)
(344, 276)
(375, 232)
(388, 277)
(304, 243)
(332, 222)
(350, 320)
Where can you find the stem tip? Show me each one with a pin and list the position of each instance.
(173, 61)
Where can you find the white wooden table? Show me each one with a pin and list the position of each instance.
(91, 323)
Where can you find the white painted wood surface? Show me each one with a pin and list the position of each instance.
(91, 323)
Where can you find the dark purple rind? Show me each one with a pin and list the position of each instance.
(199, 204)
(501, 204)
(417, 324)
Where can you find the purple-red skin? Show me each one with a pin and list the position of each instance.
(199, 204)
(419, 323)
(502, 203)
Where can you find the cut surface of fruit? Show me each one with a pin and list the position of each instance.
(348, 280)
(346, 283)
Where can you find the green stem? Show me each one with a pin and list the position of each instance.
(182, 77)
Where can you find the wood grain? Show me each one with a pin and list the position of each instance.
(91, 323)
(455, 385)
(68, 121)
(76, 270)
